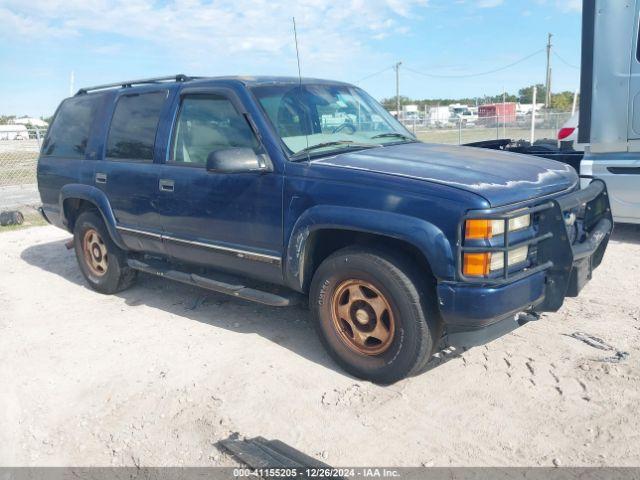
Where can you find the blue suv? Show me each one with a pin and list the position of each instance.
(272, 189)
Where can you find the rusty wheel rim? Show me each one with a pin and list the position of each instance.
(363, 318)
(95, 253)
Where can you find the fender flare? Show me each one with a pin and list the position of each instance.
(98, 198)
(425, 236)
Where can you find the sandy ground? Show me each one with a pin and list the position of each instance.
(157, 374)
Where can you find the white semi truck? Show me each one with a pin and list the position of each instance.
(609, 123)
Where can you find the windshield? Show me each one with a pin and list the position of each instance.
(323, 118)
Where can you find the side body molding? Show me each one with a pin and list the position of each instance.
(426, 237)
(96, 197)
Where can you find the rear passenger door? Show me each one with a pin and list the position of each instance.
(128, 174)
(231, 221)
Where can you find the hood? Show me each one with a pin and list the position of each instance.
(500, 177)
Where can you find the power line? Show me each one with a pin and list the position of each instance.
(564, 61)
(376, 73)
(469, 75)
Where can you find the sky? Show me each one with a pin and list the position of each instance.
(443, 44)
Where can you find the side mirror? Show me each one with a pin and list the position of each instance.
(236, 160)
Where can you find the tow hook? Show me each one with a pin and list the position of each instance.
(69, 244)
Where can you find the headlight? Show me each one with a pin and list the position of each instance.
(486, 229)
(482, 264)
(516, 256)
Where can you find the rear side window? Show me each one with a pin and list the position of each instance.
(133, 127)
(69, 133)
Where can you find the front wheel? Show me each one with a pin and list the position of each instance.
(373, 313)
(102, 263)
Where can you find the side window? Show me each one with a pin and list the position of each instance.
(133, 128)
(69, 133)
(205, 124)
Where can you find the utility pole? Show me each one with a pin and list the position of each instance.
(397, 67)
(533, 115)
(547, 97)
(504, 112)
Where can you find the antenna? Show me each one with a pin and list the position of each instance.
(295, 37)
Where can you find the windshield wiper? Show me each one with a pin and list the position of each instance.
(394, 134)
(301, 154)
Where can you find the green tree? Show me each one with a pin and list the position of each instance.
(525, 95)
(390, 103)
(562, 101)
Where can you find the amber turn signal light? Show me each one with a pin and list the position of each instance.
(477, 228)
(476, 264)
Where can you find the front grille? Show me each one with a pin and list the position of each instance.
(560, 230)
(539, 235)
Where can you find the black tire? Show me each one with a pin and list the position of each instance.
(117, 276)
(409, 296)
(11, 218)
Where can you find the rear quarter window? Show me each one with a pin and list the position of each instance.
(69, 133)
(133, 128)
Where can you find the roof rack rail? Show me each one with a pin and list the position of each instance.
(128, 84)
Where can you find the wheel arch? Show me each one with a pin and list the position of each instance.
(75, 198)
(322, 230)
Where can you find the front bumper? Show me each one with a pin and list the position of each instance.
(476, 311)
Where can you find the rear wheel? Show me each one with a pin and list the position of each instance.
(373, 312)
(101, 262)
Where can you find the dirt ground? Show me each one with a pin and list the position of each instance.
(156, 375)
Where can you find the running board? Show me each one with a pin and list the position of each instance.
(223, 284)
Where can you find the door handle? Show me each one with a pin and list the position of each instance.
(101, 178)
(166, 185)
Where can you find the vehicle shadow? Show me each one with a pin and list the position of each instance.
(290, 327)
(626, 232)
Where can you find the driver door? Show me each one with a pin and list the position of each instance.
(232, 221)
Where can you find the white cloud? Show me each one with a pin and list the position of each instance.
(328, 31)
(569, 5)
(563, 5)
(17, 24)
(404, 8)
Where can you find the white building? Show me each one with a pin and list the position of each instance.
(36, 122)
(14, 132)
(527, 108)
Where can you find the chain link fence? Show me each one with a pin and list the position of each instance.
(20, 146)
(456, 130)
(19, 149)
